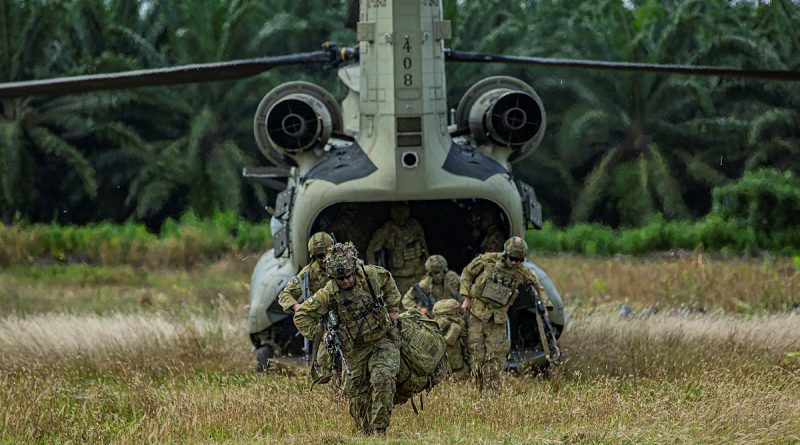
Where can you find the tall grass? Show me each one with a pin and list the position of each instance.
(149, 342)
(134, 379)
(693, 282)
(122, 354)
(680, 343)
(661, 345)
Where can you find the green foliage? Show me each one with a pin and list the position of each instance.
(184, 242)
(620, 148)
(711, 233)
(768, 200)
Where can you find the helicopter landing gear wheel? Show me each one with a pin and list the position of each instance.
(263, 355)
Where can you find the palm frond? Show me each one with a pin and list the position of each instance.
(56, 146)
(701, 171)
(201, 124)
(774, 149)
(666, 186)
(582, 127)
(775, 120)
(594, 188)
(10, 157)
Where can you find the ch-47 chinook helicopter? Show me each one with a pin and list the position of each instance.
(389, 140)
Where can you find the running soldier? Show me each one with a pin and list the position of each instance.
(364, 302)
(308, 281)
(489, 285)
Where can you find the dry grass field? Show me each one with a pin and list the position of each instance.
(125, 355)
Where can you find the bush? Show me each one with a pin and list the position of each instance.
(766, 200)
(711, 233)
(185, 242)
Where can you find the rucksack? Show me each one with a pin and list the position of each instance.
(423, 363)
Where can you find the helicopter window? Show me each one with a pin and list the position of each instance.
(409, 140)
(409, 124)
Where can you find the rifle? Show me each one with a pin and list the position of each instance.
(306, 288)
(546, 333)
(425, 300)
(333, 342)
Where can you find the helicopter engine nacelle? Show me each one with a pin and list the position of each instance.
(294, 118)
(505, 112)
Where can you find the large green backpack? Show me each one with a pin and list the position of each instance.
(423, 363)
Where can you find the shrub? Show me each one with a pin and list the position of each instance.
(766, 200)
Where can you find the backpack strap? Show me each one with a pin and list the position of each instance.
(371, 288)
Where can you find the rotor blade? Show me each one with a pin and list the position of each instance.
(720, 71)
(201, 72)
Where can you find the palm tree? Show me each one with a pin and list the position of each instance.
(31, 47)
(196, 161)
(56, 146)
(772, 109)
(636, 143)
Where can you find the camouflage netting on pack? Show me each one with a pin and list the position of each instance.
(423, 363)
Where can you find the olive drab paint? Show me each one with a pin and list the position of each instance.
(394, 142)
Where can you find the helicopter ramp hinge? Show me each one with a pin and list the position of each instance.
(280, 241)
(442, 30)
(531, 208)
(283, 203)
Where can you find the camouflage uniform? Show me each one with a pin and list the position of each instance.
(404, 242)
(294, 290)
(366, 331)
(492, 284)
(492, 240)
(352, 224)
(450, 318)
(447, 289)
(486, 228)
(317, 278)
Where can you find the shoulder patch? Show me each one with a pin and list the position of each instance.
(295, 280)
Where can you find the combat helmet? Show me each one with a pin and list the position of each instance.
(341, 260)
(399, 212)
(319, 243)
(515, 247)
(435, 263)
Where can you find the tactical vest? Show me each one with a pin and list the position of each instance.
(406, 252)
(362, 317)
(495, 286)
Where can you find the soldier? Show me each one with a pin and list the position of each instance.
(486, 228)
(309, 280)
(366, 301)
(489, 285)
(313, 272)
(403, 240)
(450, 318)
(352, 224)
(438, 284)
